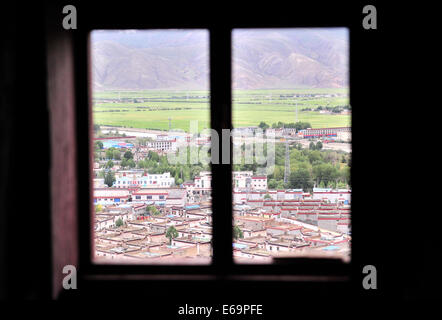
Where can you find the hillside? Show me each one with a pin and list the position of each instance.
(179, 59)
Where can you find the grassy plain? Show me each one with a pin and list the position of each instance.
(151, 109)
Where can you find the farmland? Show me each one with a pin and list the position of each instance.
(151, 109)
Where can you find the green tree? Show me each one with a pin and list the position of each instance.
(263, 125)
(301, 179)
(109, 178)
(131, 163)
(128, 155)
(267, 196)
(272, 184)
(119, 223)
(153, 156)
(237, 233)
(116, 155)
(124, 163)
(171, 233)
(318, 145)
(98, 145)
(152, 210)
(109, 164)
(325, 172)
(110, 153)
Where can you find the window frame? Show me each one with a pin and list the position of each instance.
(222, 265)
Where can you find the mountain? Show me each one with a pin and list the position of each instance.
(178, 59)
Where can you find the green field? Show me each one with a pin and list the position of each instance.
(152, 109)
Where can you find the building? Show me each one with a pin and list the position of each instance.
(343, 136)
(334, 196)
(322, 132)
(259, 183)
(163, 144)
(246, 180)
(110, 195)
(145, 180)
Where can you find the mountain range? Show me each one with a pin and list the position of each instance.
(179, 59)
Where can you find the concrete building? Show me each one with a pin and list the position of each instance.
(145, 180)
(110, 195)
(334, 196)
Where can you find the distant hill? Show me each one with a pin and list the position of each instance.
(179, 59)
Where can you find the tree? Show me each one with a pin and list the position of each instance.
(319, 145)
(98, 145)
(152, 210)
(131, 163)
(110, 153)
(325, 172)
(171, 233)
(237, 233)
(312, 146)
(98, 208)
(109, 164)
(263, 125)
(153, 156)
(128, 155)
(116, 155)
(109, 178)
(267, 196)
(119, 223)
(301, 179)
(124, 163)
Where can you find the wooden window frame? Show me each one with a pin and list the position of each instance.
(77, 51)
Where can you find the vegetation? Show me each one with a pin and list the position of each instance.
(237, 233)
(308, 168)
(152, 210)
(119, 223)
(109, 178)
(171, 233)
(151, 109)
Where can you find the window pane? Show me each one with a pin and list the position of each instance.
(152, 185)
(292, 144)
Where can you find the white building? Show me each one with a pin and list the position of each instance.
(335, 196)
(246, 180)
(145, 180)
(242, 179)
(163, 144)
(343, 136)
(259, 183)
(110, 196)
(204, 181)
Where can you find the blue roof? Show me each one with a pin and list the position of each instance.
(330, 248)
(195, 206)
(239, 245)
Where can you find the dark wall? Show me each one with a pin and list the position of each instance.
(24, 170)
(389, 192)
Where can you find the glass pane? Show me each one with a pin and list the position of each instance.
(292, 144)
(152, 185)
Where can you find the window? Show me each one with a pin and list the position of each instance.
(220, 118)
(153, 86)
(290, 101)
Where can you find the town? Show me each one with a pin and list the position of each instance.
(148, 211)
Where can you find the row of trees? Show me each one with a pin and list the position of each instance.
(298, 125)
